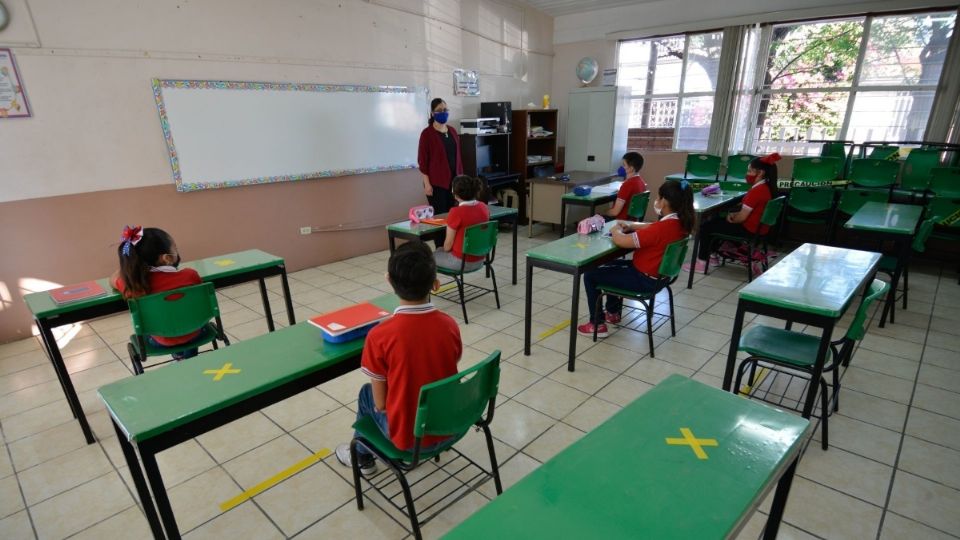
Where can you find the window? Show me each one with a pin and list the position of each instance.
(673, 81)
(860, 79)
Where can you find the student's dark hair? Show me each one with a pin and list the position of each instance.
(433, 105)
(412, 271)
(679, 194)
(466, 188)
(135, 264)
(769, 174)
(634, 159)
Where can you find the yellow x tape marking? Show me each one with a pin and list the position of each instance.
(695, 443)
(219, 373)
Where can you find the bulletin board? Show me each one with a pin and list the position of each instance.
(227, 133)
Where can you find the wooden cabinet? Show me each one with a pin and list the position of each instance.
(533, 147)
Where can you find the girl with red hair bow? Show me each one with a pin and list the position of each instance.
(762, 177)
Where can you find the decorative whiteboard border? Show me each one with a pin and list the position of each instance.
(159, 84)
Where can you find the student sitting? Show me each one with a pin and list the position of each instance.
(469, 211)
(418, 345)
(148, 265)
(632, 163)
(648, 240)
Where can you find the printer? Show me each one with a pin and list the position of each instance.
(479, 126)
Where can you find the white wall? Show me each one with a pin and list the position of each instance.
(86, 67)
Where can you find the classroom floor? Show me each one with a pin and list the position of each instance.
(892, 471)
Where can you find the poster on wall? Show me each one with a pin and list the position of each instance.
(13, 100)
(466, 83)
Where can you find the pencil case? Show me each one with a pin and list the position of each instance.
(419, 213)
(591, 224)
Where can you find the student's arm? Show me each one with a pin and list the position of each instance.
(623, 240)
(739, 216)
(379, 394)
(114, 279)
(616, 208)
(448, 241)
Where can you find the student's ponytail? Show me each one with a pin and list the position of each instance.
(679, 195)
(139, 250)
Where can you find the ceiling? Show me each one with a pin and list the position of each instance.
(555, 8)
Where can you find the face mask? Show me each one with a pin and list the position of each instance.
(657, 208)
(622, 172)
(751, 179)
(441, 117)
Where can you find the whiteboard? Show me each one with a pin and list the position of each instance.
(228, 133)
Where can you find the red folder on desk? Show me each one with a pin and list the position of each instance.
(349, 318)
(77, 292)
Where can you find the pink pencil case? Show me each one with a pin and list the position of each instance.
(591, 224)
(420, 213)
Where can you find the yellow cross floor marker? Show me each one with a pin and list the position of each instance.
(746, 389)
(219, 373)
(445, 288)
(274, 480)
(224, 262)
(551, 331)
(695, 443)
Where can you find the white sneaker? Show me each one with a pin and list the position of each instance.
(368, 467)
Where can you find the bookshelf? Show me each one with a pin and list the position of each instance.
(524, 144)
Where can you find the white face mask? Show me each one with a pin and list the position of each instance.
(656, 208)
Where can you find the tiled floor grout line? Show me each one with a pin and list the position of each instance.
(23, 497)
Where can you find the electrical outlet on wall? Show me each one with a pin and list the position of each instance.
(306, 230)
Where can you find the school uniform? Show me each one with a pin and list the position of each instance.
(628, 189)
(756, 200)
(467, 214)
(418, 345)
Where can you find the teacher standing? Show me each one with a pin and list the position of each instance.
(439, 158)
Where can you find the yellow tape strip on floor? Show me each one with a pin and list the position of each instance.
(274, 480)
(746, 389)
(445, 288)
(549, 332)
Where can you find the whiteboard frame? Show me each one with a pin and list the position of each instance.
(187, 186)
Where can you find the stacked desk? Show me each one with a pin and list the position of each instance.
(546, 193)
(165, 407)
(222, 271)
(682, 461)
(813, 285)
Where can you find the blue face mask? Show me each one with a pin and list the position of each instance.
(622, 172)
(441, 117)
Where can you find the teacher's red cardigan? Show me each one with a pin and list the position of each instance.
(432, 157)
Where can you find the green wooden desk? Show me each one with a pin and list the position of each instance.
(408, 230)
(897, 222)
(705, 207)
(546, 191)
(813, 285)
(592, 201)
(623, 480)
(165, 407)
(574, 255)
(222, 271)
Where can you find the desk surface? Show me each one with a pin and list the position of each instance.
(623, 480)
(576, 249)
(703, 203)
(594, 195)
(577, 178)
(821, 280)
(221, 266)
(420, 229)
(160, 400)
(884, 217)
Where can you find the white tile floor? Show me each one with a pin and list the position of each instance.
(893, 469)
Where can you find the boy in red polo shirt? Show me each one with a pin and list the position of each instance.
(469, 211)
(418, 345)
(632, 163)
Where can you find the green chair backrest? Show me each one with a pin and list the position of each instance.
(858, 327)
(702, 165)
(673, 257)
(834, 149)
(852, 199)
(816, 169)
(638, 205)
(811, 199)
(918, 167)
(923, 234)
(735, 186)
(451, 406)
(771, 214)
(868, 172)
(884, 152)
(945, 211)
(945, 181)
(479, 239)
(737, 165)
(174, 313)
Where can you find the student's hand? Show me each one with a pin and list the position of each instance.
(428, 190)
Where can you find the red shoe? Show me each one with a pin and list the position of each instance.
(612, 318)
(586, 329)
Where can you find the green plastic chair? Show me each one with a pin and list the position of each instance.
(755, 243)
(816, 169)
(883, 152)
(874, 173)
(479, 240)
(449, 407)
(888, 264)
(737, 166)
(837, 149)
(917, 170)
(945, 182)
(638, 206)
(173, 313)
(811, 206)
(670, 266)
(797, 352)
(702, 166)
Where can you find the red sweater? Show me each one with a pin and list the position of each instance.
(432, 157)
